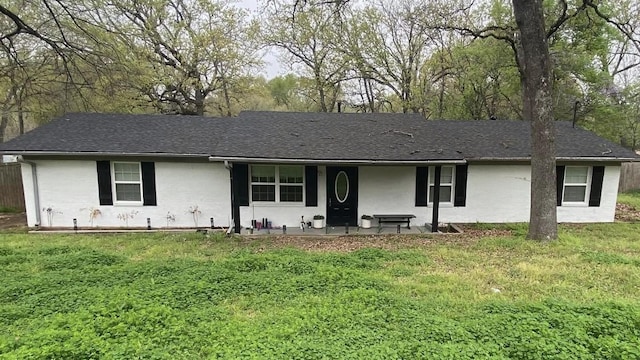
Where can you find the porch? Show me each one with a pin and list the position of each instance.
(351, 230)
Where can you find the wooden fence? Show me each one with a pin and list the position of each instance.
(11, 195)
(629, 177)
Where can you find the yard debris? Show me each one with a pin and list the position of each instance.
(350, 243)
(627, 213)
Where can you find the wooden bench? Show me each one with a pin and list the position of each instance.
(394, 219)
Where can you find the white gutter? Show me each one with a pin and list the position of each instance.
(226, 160)
(98, 153)
(597, 159)
(34, 178)
(568, 158)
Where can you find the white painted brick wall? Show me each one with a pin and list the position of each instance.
(495, 193)
(70, 189)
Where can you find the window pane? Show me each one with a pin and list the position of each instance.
(128, 192)
(291, 174)
(126, 172)
(291, 193)
(263, 173)
(263, 192)
(342, 187)
(574, 193)
(446, 175)
(445, 193)
(576, 175)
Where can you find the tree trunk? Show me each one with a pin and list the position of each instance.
(227, 97)
(535, 65)
(20, 116)
(4, 121)
(199, 102)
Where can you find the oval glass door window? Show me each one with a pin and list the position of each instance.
(342, 187)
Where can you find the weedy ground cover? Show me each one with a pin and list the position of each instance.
(168, 296)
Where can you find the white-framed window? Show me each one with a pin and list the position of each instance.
(575, 189)
(127, 182)
(446, 183)
(277, 183)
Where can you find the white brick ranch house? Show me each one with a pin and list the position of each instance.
(135, 171)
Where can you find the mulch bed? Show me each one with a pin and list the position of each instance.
(11, 220)
(350, 243)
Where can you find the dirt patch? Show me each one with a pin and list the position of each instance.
(355, 242)
(11, 221)
(627, 213)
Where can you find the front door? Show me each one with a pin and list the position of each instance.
(342, 196)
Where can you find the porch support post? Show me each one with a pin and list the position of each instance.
(235, 206)
(436, 198)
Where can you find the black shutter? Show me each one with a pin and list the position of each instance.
(241, 184)
(460, 198)
(596, 185)
(559, 184)
(104, 182)
(422, 179)
(148, 184)
(311, 184)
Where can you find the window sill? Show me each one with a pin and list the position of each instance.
(575, 204)
(127, 204)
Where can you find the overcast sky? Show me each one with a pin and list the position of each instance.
(271, 67)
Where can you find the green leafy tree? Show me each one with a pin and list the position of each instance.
(309, 37)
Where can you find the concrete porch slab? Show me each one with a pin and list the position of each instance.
(337, 230)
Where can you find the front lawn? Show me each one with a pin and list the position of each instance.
(168, 296)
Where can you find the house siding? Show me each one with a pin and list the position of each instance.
(287, 214)
(70, 189)
(495, 194)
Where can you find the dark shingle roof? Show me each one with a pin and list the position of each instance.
(314, 136)
(122, 134)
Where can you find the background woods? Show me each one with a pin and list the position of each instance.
(532, 60)
(442, 59)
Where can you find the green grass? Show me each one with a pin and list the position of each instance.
(8, 210)
(167, 296)
(631, 198)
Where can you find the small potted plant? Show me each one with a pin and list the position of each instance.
(318, 221)
(366, 221)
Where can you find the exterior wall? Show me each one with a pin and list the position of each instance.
(606, 211)
(70, 189)
(388, 190)
(287, 214)
(495, 193)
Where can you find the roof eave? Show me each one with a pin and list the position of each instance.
(258, 160)
(100, 153)
(560, 158)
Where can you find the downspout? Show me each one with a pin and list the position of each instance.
(232, 227)
(34, 178)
